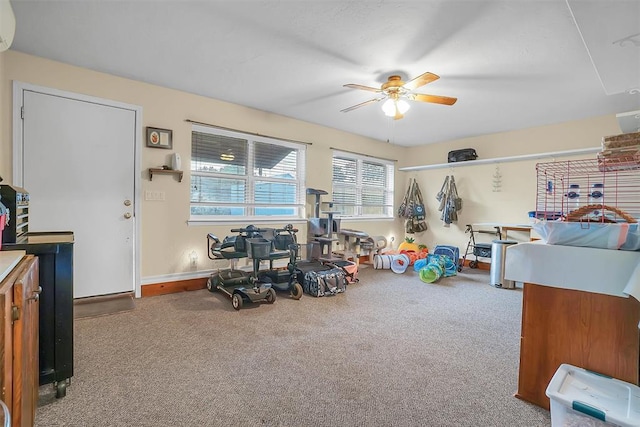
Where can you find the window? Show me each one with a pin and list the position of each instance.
(235, 175)
(362, 186)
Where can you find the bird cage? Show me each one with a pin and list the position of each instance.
(611, 183)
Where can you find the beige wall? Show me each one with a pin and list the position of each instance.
(517, 195)
(166, 239)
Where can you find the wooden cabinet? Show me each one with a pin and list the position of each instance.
(593, 331)
(19, 297)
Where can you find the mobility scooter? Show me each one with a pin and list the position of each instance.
(237, 284)
(285, 245)
(256, 286)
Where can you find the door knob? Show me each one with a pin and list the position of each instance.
(127, 202)
(127, 215)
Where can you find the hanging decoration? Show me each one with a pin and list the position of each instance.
(497, 180)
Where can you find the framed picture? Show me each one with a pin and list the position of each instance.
(159, 138)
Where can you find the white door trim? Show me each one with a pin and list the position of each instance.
(19, 87)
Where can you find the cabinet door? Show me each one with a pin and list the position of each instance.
(26, 294)
(6, 343)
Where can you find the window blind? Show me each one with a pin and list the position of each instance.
(236, 175)
(362, 186)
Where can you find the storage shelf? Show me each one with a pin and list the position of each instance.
(504, 159)
(161, 171)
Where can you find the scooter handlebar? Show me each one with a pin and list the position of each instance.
(288, 227)
(250, 229)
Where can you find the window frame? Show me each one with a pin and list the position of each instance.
(250, 181)
(389, 189)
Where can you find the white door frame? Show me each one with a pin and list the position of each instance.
(18, 88)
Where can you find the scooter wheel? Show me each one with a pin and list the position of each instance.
(236, 301)
(473, 264)
(211, 285)
(296, 291)
(271, 296)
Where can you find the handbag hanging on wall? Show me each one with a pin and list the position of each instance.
(418, 206)
(415, 222)
(405, 210)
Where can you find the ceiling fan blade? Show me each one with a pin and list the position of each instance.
(436, 99)
(362, 104)
(355, 86)
(420, 81)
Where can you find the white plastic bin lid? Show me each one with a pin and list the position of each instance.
(598, 396)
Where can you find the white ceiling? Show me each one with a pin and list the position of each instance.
(511, 64)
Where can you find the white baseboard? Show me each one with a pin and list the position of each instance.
(174, 277)
(189, 275)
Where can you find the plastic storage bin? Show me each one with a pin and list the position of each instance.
(584, 398)
(633, 239)
(585, 234)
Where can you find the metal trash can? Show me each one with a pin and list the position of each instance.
(498, 255)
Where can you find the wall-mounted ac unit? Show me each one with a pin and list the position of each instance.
(7, 25)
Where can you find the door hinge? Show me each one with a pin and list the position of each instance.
(22, 112)
(15, 313)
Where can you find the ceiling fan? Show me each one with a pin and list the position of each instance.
(396, 92)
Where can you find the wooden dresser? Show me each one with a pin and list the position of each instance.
(19, 298)
(593, 331)
(580, 306)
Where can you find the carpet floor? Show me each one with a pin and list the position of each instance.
(391, 351)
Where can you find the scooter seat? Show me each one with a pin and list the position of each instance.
(228, 254)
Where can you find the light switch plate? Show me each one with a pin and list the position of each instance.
(154, 195)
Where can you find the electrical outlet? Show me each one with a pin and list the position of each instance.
(154, 195)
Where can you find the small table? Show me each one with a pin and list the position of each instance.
(504, 228)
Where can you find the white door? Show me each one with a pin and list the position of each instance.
(78, 165)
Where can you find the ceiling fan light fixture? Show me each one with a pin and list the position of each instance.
(392, 106)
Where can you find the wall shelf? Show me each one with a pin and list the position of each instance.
(161, 171)
(551, 154)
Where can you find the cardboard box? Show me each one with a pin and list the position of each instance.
(622, 140)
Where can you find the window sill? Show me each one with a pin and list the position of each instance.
(246, 221)
(364, 218)
(277, 221)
